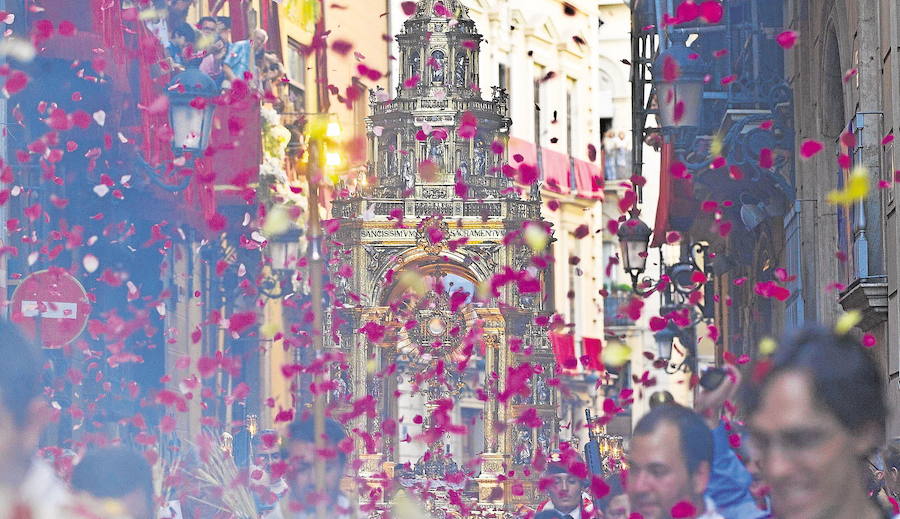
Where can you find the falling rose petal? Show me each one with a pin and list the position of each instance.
(684, 510)
(99, 117)
(844, 161)
(342, 47)
(90, 263)
(809, 148)
(787, 39)
(412, 82)
(770, 289)
(409, 8)
(671, 70)
(711, 11)
(849, 74)
(869, 340)
(101, 190)
(16, 82)
(658, 323)
(848, 139)
(765, 158)
(887, 139)
(428, 170)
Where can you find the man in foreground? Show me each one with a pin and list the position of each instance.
(670, 464)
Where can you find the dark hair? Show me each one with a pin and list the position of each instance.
(616, 488)
(224, 20)
(20, 372)
(206, 19)
(846, 380)
(114, 472)
(695, 437)
(185, 30)
(549, 514)
(303, 429)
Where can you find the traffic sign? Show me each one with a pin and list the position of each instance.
(51, 307)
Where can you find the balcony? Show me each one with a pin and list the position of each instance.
(613, 311)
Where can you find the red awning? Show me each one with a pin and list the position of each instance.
(556, 170)
(521, 149)
(665, 196)
(588, 179)
(592, 349)
(564, 351)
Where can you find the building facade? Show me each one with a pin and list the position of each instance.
(844, 74)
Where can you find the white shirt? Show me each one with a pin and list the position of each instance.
(711, 512)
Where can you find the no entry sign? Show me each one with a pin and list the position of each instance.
(51, 307)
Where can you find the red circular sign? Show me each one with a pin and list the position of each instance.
(51, 307)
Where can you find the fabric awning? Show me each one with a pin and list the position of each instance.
(592, 349)
(588, 179)
(665, 196)
(564, 351)
(556, 170)
(523, 149)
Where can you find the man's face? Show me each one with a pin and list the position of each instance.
(804, 452)
(565, 492)
(223, 31)
(208, 28)
(658, 477)
(301, 474)
(618, 507)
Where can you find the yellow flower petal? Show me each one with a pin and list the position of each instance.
(847, 322)
(615, 355)
(767, 346)
(536, 237)
(715, 147)
(857, 188)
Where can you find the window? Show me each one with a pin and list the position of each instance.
(359, 108)
(571, 99)
(296, 69)
(473, 440)
(503, 80)
(538, 104)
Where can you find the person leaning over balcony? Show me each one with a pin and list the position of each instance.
(242, 57)
(181, 46)
(816, 410)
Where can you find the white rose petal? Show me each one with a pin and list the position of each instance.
(101, 190)
(90, 262)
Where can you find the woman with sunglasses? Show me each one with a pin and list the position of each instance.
(816, 411)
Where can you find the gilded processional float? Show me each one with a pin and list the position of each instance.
(443, 322)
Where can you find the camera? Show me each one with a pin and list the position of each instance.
(712, 378)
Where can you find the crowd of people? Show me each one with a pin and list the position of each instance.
(209, 46)
(814, 413)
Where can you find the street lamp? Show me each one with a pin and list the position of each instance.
(190, 121)
(664, 339)
(283, 250)
(634, 238)
(680, 75)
